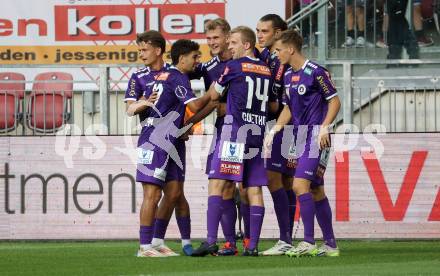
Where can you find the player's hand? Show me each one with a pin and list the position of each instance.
(221, 110)
(153, 97)
(141, 104)
(268, 140)
(324, 138)
(185, 136)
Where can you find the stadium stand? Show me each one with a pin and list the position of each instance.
(49, 102)
(11, 92)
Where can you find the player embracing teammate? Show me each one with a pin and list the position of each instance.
(278, 84)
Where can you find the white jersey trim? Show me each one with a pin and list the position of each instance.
(218, 88)
(331, 96)
(130, 99)
(190, 100)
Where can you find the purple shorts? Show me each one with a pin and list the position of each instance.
(229, 162)
(277, 162)
(156, 166)
(312, 168)
(215, 140)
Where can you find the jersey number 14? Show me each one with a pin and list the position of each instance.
(260, 94)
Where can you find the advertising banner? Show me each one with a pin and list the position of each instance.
(83, 187)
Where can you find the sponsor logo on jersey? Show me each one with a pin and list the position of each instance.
(302, 89)
(308, 71)
(162, 76)
(132, 91)
(330, 79)
(225, 72)
(292, 163)
(324, 86)
(232, 152)
(279, 73)
(296, 78)
(145, 156)
(229, 168)
(255, 68)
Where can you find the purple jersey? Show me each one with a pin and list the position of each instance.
(249, 84)
(277, 69)
(307, 92)
(174, 92)
(138, 83)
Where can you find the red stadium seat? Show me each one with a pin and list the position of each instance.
(49, 102)
(11, 92)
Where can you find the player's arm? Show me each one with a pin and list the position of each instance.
(199, 103)
(334, 104)
(136, 107)
(210, 105)
(273, 107)
(283, 119)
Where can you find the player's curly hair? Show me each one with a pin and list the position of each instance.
(182, 47)
(152, 37)
(292, 37)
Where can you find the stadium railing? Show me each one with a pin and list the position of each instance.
(323, 24)
(403, 99)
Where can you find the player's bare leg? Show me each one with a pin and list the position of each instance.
(307, 247)
(172, 191)
(151, 197)
(228, 219)
(256, 208)
(324, 218)
(281, 206)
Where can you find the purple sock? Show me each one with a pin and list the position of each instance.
(145, 234)
(160, 228)
(245, 213)
(256, 221)
(281, 206)
(308, 216)
(292, 209)
(213, 217)
(324, 217)
(184, 224)
(229, 217)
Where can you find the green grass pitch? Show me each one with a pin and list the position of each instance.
(117, 258)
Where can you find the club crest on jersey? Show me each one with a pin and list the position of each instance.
(232, 152)
(302, 89)
(180, 92)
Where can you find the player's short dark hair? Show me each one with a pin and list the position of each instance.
(182, 47)
(152, 37)
(292, 37)
(277, 21)
(218, 23)
(247, 34)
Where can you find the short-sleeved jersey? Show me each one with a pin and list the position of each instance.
(277, 69)
(210, 72)
(307, 92)
(138, 83)
(249, 86)
(174, 92)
